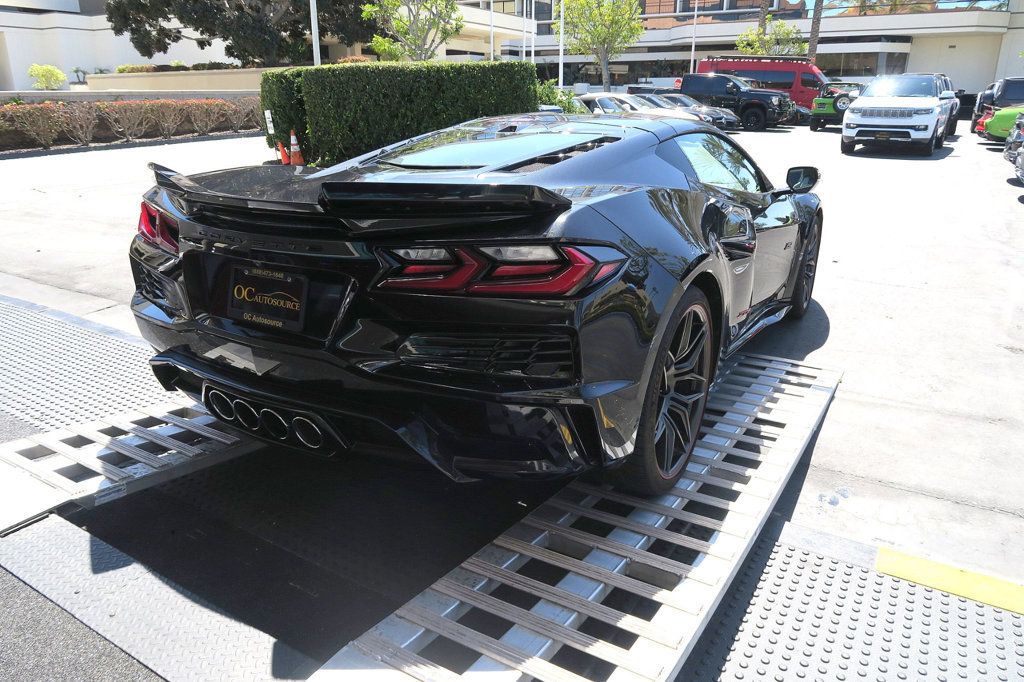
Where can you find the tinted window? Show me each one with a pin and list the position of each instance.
(685, 100)
(476, 149)
(608, 104)
(809, 80)
(901, 86)
(717, 162)
(697, 84)
(773, 80)
(1011, 91)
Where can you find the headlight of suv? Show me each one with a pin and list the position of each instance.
(924, 112)
(855, 110)
(705, 118)
(776, 101)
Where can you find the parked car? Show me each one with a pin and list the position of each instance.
(618, 103)
(832, 102)
(998, 127)
(720, 118)
(905, 109)
(981, 102)
(796, 76)
(387, 299)
(944, 83)
(756, 108)
(1011, 148)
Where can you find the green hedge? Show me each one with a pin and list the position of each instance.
(281, 92)
(355, 108)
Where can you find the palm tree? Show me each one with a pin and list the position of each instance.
(812, 41)
(762, 15)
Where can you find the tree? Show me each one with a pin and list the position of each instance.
(777, 38)
(812, 42)
(603, 28)
(416, 28)
(264, 32)
(764, 13)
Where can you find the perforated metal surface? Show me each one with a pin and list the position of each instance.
(596, 584)
(175, 633)
(54, 372)
(794, 614)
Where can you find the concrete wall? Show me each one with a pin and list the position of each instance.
(226, 79)
(70, 40)
(969, 60)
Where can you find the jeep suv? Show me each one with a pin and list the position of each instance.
(756, 108)
(909, 110)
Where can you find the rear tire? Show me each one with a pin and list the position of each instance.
(677, 393)
(815, 124)
(951, 128)
(753, 119)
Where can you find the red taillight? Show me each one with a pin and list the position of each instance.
(158, 228)
(516, 270)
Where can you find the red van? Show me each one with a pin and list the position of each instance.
(797, 76)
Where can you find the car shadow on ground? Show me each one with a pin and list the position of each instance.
(795, 339)
(901, 153)
(1014, 182)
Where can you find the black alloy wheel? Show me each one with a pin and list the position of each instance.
(807, 272)
(753, 119)
(676, 397)
(847, 147)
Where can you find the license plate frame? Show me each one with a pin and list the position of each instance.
(267, 298)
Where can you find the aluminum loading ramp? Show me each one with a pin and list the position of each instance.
(596, 584)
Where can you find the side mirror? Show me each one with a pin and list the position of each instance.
(947, 94)
(731, 88)
(802, 179)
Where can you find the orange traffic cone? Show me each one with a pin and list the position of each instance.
(285, 159)
(295, 153)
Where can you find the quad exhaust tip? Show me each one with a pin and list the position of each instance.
(308, 433)
(246, 415)
(220, 405)
(274, 424)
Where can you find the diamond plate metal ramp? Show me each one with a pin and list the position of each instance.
(108, 458)
(596, 584)
(795, 613)
(55, 370)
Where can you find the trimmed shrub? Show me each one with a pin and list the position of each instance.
(353, 59)
(213, 66)
(242, 113)
(163, 68)
(167, 115)
(205, 114)
(79, 121)
(135, 68)
(128, 119)
(355, 108)
(281, 93)
(47, 77)
(40, 122)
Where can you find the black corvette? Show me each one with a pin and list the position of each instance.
(530, 295)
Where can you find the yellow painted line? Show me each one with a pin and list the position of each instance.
(986, 589)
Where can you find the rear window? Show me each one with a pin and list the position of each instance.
(466, 149)
(1012, 91)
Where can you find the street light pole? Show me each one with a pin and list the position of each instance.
(561, 45)
(533, 35)
(314, 32)
(491, 5)
(522, 48)
(693, 38)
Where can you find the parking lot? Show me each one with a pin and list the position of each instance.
(919, 302)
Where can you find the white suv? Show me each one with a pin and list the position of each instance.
(907, 109)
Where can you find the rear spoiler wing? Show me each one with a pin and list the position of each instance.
(379, 206)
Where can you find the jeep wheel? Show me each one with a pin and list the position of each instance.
(847, 147)
(753, 119)
(951, 127)
(815, 124)
(841, 103)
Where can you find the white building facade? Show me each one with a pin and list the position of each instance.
(972, 41)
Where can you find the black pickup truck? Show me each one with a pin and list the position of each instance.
(756, 108)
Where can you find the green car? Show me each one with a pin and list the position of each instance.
(1001, 123)
(832, 102)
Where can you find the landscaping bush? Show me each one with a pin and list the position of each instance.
(47, 77)
(281, 93)
(128, 119)
(40, 122)
(353, 59)
(242, 113)
(213, 66)
(205, 114)
(163, 68)
(167, 115)
(79, 121)
(355, 108)
(135, 68)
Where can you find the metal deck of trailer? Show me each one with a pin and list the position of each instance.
(592, 584)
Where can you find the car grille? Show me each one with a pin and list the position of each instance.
(549, 355)
(887, 113)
